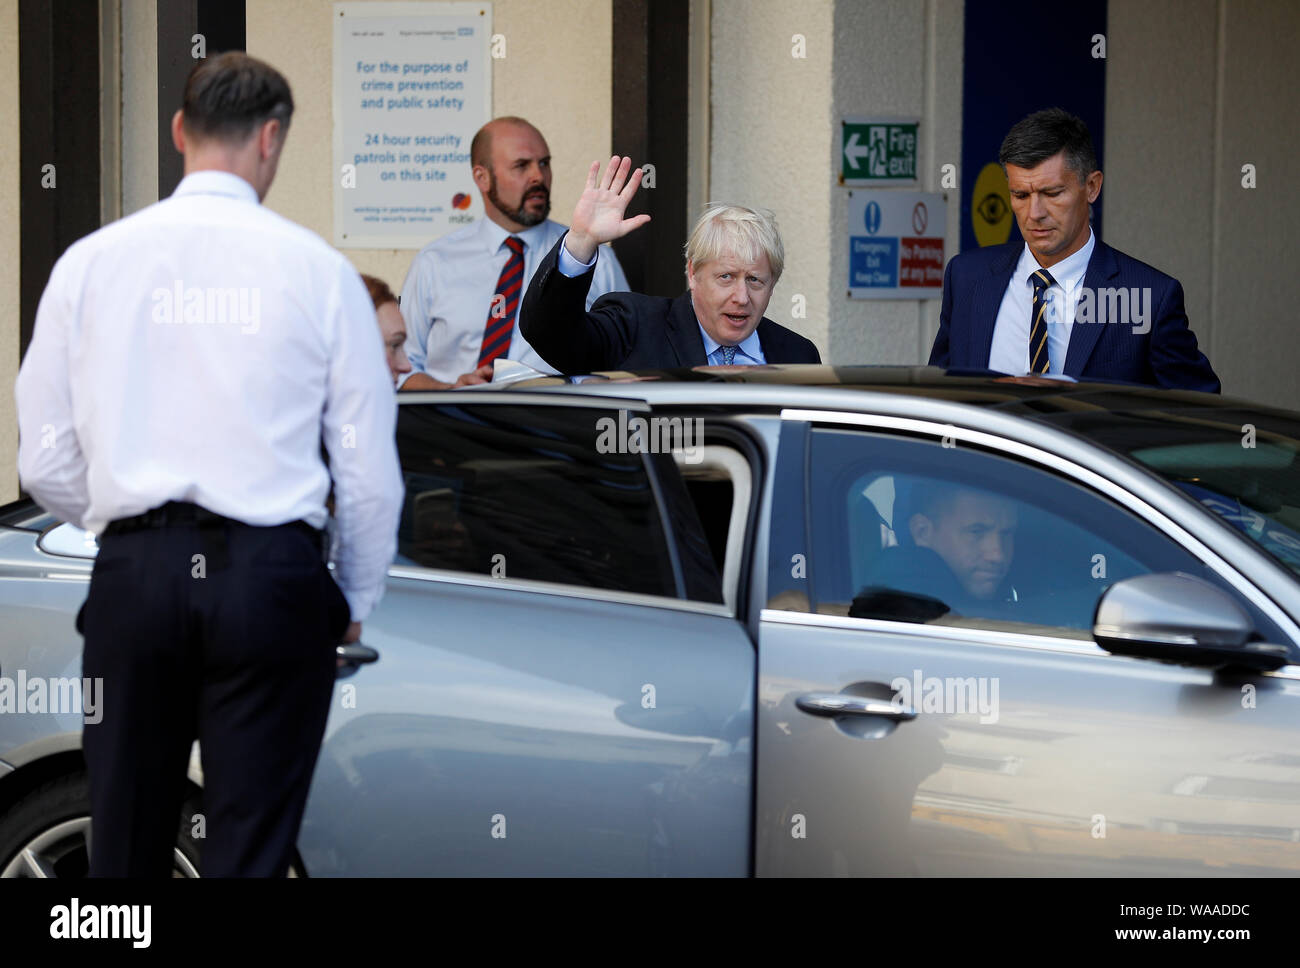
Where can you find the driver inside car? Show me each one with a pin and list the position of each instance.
(955, 557)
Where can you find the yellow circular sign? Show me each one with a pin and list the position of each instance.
(990, 206)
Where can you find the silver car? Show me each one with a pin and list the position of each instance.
(780, 621)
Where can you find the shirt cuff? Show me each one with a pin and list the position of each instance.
(571, 267)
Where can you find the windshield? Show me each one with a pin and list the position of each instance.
(1239, 463)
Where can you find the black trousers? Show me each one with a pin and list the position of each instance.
(222, 634)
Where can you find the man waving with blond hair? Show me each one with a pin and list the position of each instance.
(733, 260)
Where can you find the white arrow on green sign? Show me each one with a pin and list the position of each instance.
(881, 151)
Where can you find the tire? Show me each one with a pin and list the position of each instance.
(44, 833)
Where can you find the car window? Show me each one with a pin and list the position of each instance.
(1243, 464)
(524, 492)
(910, 530)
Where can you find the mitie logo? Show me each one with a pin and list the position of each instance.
(74, 922)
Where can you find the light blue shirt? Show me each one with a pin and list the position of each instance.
(448, 294)
(749, 352)
(1009, 352)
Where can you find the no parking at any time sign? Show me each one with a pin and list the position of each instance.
(895, 243)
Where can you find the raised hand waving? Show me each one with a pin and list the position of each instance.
(598, 216)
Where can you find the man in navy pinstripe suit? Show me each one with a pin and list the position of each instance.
(1062, 301)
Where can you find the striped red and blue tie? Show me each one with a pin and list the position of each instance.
(505, 304)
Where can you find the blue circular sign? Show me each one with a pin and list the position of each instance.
(872, 217)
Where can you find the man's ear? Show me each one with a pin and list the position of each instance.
(482, 178)
(178, 130)
(270, 139)
(690, 275)
(922, 529)
(1094, 186)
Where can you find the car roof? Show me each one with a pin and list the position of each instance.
(1046, 399)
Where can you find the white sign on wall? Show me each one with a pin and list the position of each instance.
(412, 83)
(895, 244)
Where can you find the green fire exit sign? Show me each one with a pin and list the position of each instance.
(875, 152)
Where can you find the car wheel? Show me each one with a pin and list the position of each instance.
(44, 834)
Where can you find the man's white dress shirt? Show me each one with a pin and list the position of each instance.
(447, 296)
(200, 350)
(1009, 352)
(749, 352)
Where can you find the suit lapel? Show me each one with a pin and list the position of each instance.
(684, 333)
(1084, 336)
(986, 300)
(765, 336)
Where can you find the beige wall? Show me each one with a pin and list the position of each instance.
(1194, 90)
(698, 124)
(9, 247)
(776, 143)
(568, 100)
(139, 104)
(1158, 190)
(771, 124)
(1257, 231)
(900, 58)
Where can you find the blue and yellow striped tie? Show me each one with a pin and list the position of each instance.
(1038, 353)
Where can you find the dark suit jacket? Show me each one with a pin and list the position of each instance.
(626, 330)
(1166, 355)
(913, 584)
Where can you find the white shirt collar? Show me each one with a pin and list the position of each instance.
(213, 182)
(1068, 273)
(494, 236)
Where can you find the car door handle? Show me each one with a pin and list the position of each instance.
(842, 704)
(355, 654)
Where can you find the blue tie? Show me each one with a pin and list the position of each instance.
(728, 355)
(1038, 352)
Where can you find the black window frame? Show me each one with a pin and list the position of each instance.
(723, 429)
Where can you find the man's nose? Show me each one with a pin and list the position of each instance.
(996, 549)
(1037, 209)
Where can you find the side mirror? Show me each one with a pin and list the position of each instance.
(1183, 619)
(68, 541)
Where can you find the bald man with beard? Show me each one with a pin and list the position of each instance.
(461, 299)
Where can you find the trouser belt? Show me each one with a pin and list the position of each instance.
(211, 524)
